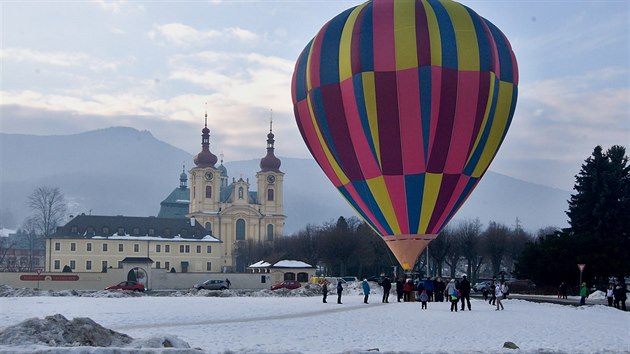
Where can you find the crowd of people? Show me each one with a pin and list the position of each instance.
(458, 292)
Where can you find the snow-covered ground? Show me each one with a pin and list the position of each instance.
(296, 322)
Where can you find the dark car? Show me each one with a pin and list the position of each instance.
(127, 285)
(520, 285)
(212, 284)
(287, 284)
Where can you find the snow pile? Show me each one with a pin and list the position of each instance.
(81, 333)
(8, 291)
(598, 294)
(57, 331)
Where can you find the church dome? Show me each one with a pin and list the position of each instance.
(205, 158)
(270, 162)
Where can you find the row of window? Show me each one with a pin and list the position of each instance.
(121, 231)
(104, 265)
(136, 248)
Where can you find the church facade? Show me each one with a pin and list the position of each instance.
(233, 211)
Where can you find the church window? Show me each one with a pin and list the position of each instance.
(240, 192)
(208, 191)
(270, 232)
(270, 194)
(240, 229)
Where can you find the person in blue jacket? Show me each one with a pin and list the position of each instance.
(366, 290)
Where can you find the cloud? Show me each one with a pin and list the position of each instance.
(56, 58)
(118, 6)
(183, 35)
(560, 121)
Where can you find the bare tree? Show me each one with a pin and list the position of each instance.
(515, 245)
(455, 250)
(495, 240)
(471, 236)
(32, 241)
(49, 208)
(439, 248)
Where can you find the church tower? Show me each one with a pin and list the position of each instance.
(270, 186)
(205, 182)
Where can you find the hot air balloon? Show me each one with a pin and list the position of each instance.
(404, 104)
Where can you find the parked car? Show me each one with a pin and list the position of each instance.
(347, 279)
(520, 285)
(483, 285)
(127, 285)
(287, 284)
(212, 284)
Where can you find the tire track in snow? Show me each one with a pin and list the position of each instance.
(244, 320)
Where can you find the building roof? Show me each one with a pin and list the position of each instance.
(132, 227)
(176, 204)
(281, 264)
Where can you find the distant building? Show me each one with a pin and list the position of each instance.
(90, 243)
(230, 210)
(177, 203)
(20, 252)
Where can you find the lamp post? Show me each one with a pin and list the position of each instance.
(581, 267)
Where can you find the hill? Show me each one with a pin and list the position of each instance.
(123, 171)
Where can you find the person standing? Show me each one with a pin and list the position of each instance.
(366, 291)
(339, 291)
(387, 285)
(399, 289)
(563, 290)
(451, 294)
(583, 294)
(610, 294)
(407, 290)
(228, 282)
(493, 296)
(498, 295)
(464, 288)
(440, 287)
(624, 295)
(325, 290)
(424, 298)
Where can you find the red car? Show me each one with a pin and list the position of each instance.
(127, 285)
(287, 284)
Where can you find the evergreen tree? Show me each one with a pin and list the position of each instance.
(599, 213)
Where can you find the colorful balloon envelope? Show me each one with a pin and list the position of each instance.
(404, 104)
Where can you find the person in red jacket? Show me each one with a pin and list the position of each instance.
(407, 289)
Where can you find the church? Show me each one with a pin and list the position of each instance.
(230, 210)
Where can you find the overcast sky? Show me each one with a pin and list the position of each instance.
(73, 66)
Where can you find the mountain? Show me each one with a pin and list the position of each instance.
(123, 171)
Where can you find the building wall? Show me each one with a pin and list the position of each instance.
(223, 216)
(171, 254)
(158, 280)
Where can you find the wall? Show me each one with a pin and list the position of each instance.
(159, 279)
